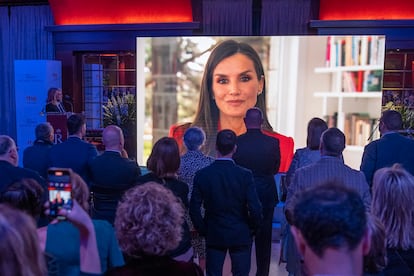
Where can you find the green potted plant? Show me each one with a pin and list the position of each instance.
(407, 114)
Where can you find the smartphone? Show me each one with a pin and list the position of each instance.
(60, 191)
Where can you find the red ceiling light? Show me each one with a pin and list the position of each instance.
(80, 12)
(366, 9)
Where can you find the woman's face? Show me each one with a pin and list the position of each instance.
(58, 96)
(236, 86)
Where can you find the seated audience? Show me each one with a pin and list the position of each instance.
(330, 230)
(36, 157)
(392, 194)
(111, 175)
(191, 162)
(148, 226)
(67, 256)
(163, 164)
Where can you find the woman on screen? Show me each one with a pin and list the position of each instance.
(233, 81)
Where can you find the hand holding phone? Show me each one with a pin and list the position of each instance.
(60, 191)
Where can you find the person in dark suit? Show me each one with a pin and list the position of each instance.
(391, 148)
(232, 208)
(74, 153)
(329, 168)
(36, 157)
(261, 154)
(11, 173)
(9, 170)
(111, 174)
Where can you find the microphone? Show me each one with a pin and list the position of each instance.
(67, 98)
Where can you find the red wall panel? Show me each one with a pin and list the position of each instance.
(366, 9)
(79, 12)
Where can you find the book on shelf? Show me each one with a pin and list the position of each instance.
(362, 81)
(355, 50)
(359, 129)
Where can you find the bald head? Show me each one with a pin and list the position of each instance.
(113, 138)
(254, 118)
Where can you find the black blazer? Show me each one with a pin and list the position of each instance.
(261, 154)
(74, 153)
(111, 176)
(232, 208)
(36, 157)
(389, 149)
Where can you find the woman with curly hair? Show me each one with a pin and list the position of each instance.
(148, 226)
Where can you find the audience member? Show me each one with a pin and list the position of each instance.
(26, 195)
(233, 81)
(54, 100)
(261, 154)
(9, 171)
(111, 175)
(391, 148)
(232, 208)
(163, 164)
(330, 230)
(303, 157)
(148, 225)
(392, 194)
(191, 162)
(74, 153)
(19, 247)
(68, 256)
(376, 259)
(20, 250)
(330, 167)
(311, 153)
(36, 157)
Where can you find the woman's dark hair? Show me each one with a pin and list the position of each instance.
(25, 195)
(164, 158)
(207, 115)
(316, 127)
(75, 122)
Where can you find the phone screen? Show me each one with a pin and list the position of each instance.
(60, 191)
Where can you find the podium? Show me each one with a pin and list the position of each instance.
(58, 121)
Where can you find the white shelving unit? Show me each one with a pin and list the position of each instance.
(348, 102)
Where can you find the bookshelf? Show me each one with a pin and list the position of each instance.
(399, 78)
(355, 66)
